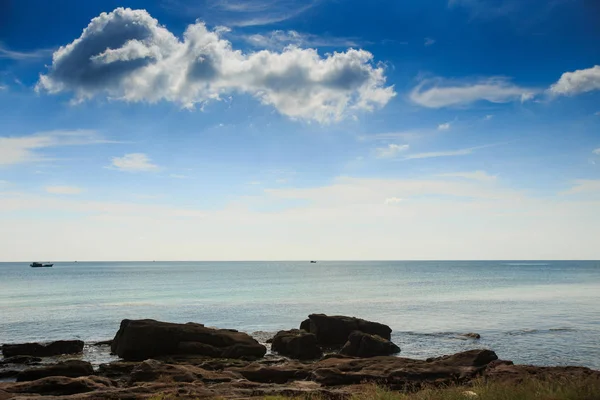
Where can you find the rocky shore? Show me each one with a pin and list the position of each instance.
(328, 356)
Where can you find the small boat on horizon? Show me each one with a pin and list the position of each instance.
(313, 262)
(40, 265)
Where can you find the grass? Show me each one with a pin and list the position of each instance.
(528, 390)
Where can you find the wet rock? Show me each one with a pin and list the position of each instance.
(362, 344)
(43, 350)
(70, 368)
(117, 369)
(297, 344)
(335, 330)
(143, 339)
(471, 335)
(103, 343)
(27, 360)
(60, 385)
(471, 358)
(8, 373)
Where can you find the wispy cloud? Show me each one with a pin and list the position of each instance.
(429, 41)
(62, 189)
(133, 162)
(392, 200)
(178, 176)
(241, 12)
(584, 186)
(33, 55)
(447, 153)
(488, 117)
(438, 93)
(279, 39)
(24, 149)
(444, 127)
(596, 151)
(481, 176)
(391, 150)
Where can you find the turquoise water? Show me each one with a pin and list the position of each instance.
(545, 313)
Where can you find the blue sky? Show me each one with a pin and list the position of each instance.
(327, 129)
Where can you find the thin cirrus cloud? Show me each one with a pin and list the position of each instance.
(438, 93)
(62, 189)
(391, 150)
(429, 41)
(445, 153)
(279, 39)
(133, 162)
(576, 82)
(444, 127)
(241, 13)
(596, 151)
(478, 175)
(149, 64)
(30, 148)
(33, 55)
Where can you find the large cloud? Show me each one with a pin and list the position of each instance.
(579, 81)
(127, 55)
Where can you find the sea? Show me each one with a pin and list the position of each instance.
(530, 312)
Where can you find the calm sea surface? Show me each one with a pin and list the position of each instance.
(545, 313)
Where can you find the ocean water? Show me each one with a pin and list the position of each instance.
(544, 313)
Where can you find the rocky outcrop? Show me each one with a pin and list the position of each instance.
(43, 350)
(143, 339)
(297, 344)
(362, 344)
(471, 358)
(153, 370)
(335, 330)
(60, 386)
(70, 368)
(515, 374)
(26, 360)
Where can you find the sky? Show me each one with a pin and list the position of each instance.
(296, 130)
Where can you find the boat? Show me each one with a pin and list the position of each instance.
(313, 262)
(40, 265)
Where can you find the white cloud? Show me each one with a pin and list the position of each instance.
(133, 162)
(584, 186)
(23, 149)
(437, 94)
(488, 117)
(444, 126)
(576, 82)
(481, 176)
(241, 13)
(390, 151)
(126, 55)
(429, 41)
(596, 151)
(448, 153)
(392, 200)
(24, 55)
(278, 40)
(62, 189)
(3, 87)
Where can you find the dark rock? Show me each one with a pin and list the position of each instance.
(117, 369)
(28, 360)
(143, 339)
(60, 385)
(8, 373)
(103, 343)
(70, 368)
(305, 325)
(471, 335)
(297, 344)
(362, 344)
(43, 350)
(471, 358)
(335, 330)
(275, 374)
(154, 370)
(516, 374)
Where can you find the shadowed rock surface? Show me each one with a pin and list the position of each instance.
(335, 330)
(142, 339)
(362, 344)
(23, 360)
(297, 344)
(43, 350)
(70, 368)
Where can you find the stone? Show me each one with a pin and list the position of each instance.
(471, 358)
(60, 385)
(362, 344)
(43, 350)
(143, 339)
(335, 330)
(27, 360)
(297, 344)
(471, 335)
(69, 368)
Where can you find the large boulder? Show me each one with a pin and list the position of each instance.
(362, 344)
(335, 330)
(297, 344)
(43, 350)
(143, 339)
(69, 368)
